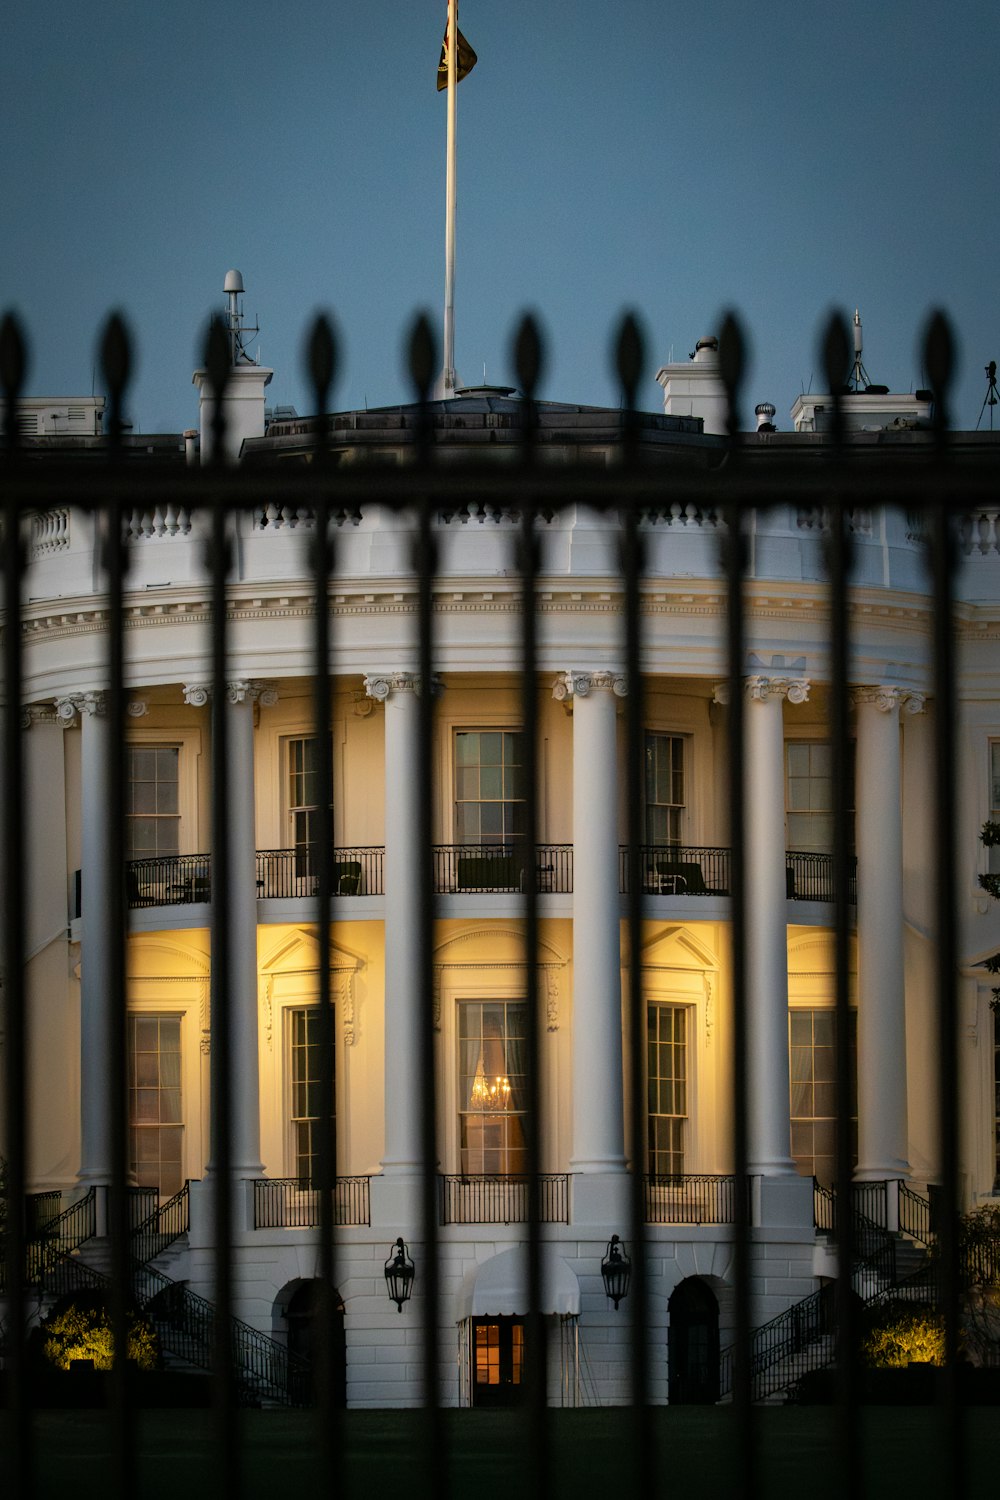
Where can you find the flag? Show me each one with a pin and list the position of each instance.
(466, 60)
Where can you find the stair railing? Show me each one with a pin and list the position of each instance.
(160, 1229)
(915, 1215)
(60, 1236)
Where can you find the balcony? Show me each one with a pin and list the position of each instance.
(503, 1200)
(471, 869)
(689, 1199)
(287, 1203)
(703, 870)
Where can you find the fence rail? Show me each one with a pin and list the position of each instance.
(503, 1200)
(286, 1203)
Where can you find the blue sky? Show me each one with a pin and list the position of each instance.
(676, 159)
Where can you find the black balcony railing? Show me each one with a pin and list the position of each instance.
(502, 867)
(690, 1199)
(809, 877)
(503, 1200)
(286, 1203)
(678, 870)
(292, 872)
(167, 880)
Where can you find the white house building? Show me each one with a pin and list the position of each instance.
(479, 1011)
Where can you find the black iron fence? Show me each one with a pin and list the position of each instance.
(939, 480)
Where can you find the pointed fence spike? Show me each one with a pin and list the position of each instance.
(217, 357)
(13, 357)
(630, 354)
(321, 359)
(529, 355)
(421, 356)
(836, 353)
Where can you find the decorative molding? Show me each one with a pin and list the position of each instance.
(75, 705)
(363, 705)
(760, 688)
(549, 971)
(380, 685)
(197, 694)
(249, 690)
(268, 1010)
(137, 708)
(551, 997)
(709, 1009)
(888, 699)
(574, 684)
(39, 713)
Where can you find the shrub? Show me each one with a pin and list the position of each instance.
(900, 1336)
(81, 1329)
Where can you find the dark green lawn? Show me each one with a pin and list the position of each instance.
(592, 1451)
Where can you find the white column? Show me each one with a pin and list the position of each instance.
(882, 1120)
(598, 1117)
(769, 1146)
(398, 692)
(96, 955)
(241, 698)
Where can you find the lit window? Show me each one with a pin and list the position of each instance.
(813, 1082)
(667, 1102)
(664, 789)
(156, 1125)
(153, 810)
(303, 801)
(489, 786)
(994, 849)
(492, 1041)
(306, 1061)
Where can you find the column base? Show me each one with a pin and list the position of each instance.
(396, 1199)
(601, 1199)
(784, 1202)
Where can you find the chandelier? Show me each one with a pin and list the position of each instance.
(489, 1094)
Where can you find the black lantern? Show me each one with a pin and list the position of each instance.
(399, 1274)
(616, 1269)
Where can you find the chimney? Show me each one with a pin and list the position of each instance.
(694, 389)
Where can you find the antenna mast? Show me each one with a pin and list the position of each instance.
(859, 378)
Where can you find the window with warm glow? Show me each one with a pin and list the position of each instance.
(813, 1082)
(664, 788)
(305, 1056)
(994, 850)
(667, 1090)
(156, 1122)
(492, 1040)
(489, 786)
(303, 801)
(498, 1358)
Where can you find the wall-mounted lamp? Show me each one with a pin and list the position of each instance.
(616, 1270)
(399, 1274)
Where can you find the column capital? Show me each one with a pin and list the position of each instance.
(249, 690)
(886, 699)
(197, 694)
(39, 713)
(381, 685)
(759, 688)
(575, 684)
(78, 705)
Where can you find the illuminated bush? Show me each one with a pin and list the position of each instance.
(902, 1336)
(82, 1330)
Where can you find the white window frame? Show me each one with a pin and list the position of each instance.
(665, 1002)
(687, 760)
(479, 726)
(188, 745)
(152, 1011)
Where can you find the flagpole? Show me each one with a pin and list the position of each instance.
(450, 203)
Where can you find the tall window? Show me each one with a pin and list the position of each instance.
(664, 789)
(489, 786)
(492, 1038)
(156, 1124)
(303, 800)
(152, 805)
(813, 1076)
(306, 1062)
(667, 1102)
(809, 795)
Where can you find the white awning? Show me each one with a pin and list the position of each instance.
(499, 1287)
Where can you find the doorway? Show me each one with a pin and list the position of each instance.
(497, 1361)
(693, 1344)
